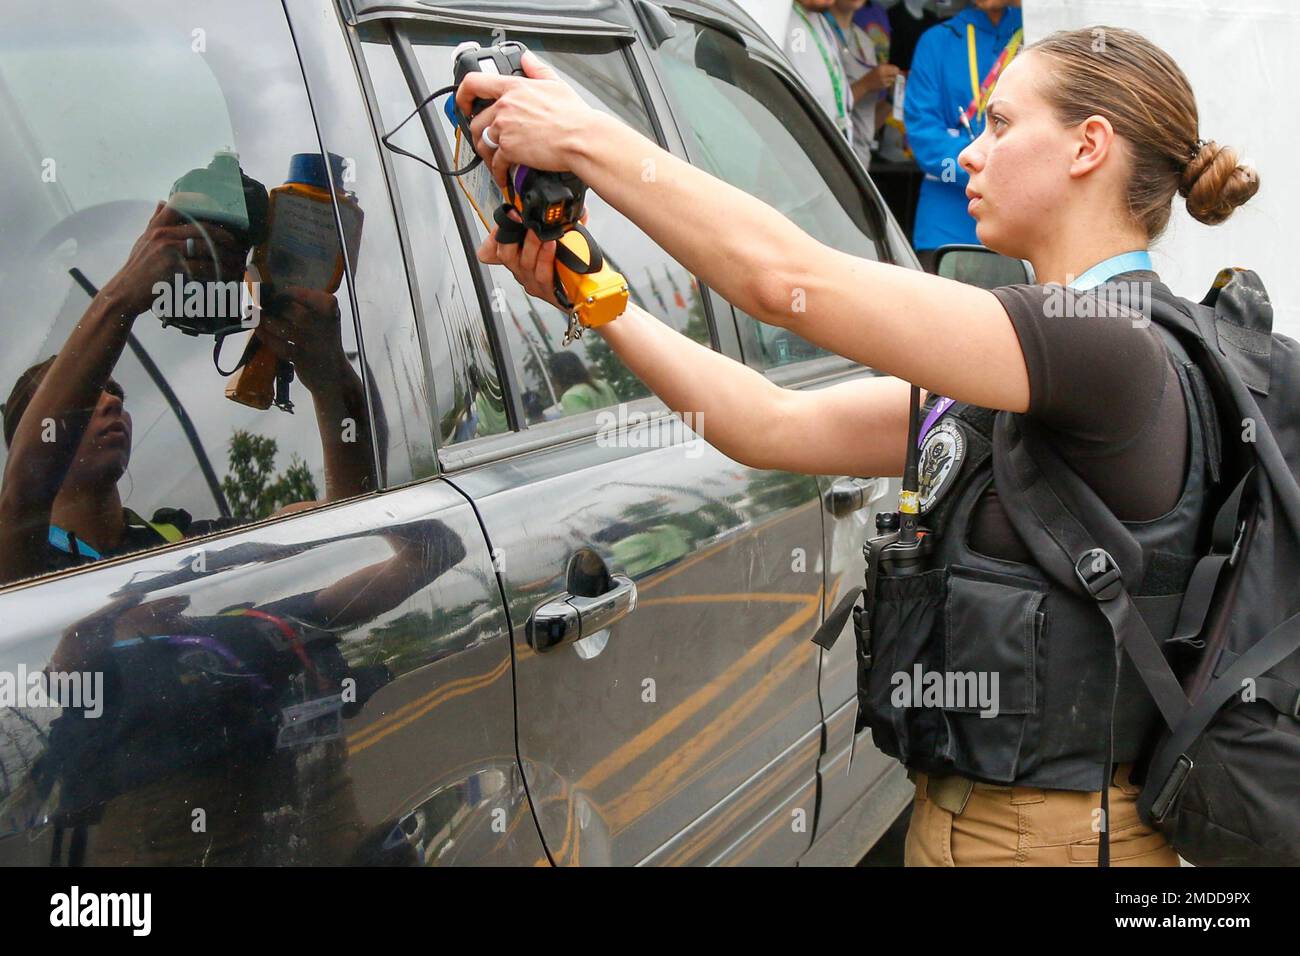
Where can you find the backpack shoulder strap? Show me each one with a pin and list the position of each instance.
(1095, 556)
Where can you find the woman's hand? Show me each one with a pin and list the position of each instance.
(538, 121)
(531, 262)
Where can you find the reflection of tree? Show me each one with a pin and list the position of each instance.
(252, 488)
(773, 491)
(414, 638)
(611, 368)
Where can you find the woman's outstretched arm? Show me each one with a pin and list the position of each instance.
(854, 428)
(947, 336)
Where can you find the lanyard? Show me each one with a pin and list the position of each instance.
(833, 68)
(71, 544)
(981, 91)
(1138, 260)
(857, 40)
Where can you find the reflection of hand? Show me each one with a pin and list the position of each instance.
(302, 326)
(537, 120)
(160, 253)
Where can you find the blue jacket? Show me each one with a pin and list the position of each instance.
(938, 87)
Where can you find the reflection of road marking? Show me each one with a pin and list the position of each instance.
(784, 598)
(656, 784)
(720, 822)
(658, 579)
(407, 713)
(621, 757)
(672, 720)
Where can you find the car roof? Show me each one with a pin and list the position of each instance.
(576, 16)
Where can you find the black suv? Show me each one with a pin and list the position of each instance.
(468, 595)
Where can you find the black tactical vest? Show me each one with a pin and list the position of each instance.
(984, 667)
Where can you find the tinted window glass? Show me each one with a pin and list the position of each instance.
(555, 380)
(744, 126)
(164, 176)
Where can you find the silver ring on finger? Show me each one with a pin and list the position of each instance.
(488, 141)
(189, 248)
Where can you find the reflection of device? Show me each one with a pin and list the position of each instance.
(551, 205)
(218, 194)
(301, 248)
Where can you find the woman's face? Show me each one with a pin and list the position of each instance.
(1020, 165)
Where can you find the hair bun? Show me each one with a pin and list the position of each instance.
(1214, 183)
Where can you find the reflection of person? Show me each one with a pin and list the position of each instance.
(69, 433)
(1075, 171)
(240, 713)
(579, 390)
(945, 109)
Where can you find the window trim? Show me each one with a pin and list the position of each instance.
(559, 21)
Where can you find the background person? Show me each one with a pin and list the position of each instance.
(869, 79)
(953, 71)
(811, 46)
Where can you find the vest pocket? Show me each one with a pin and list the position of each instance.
(906, 622)
(992, 625)
(991, 629)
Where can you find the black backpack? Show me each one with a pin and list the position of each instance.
(1223, 779)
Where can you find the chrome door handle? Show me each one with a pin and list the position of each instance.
(847, 495)
(571, 617)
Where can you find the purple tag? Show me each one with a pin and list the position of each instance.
(936, 413)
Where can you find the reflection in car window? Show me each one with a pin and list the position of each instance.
(745, 127)
(166, 188)
(559, 381)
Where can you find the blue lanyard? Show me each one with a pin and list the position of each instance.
(63, 541)
(1139, 260)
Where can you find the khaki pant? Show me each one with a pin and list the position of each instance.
(957, 823)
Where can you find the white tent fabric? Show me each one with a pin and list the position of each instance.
(772, 15)
(1243, 60)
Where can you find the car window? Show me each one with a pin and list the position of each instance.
(166, 187)
(468, 390)
(744, 126)
(556, 380)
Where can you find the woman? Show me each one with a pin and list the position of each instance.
(1076, 170)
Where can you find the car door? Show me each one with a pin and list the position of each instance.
(746, 119)
(661, 596)
(309, 663)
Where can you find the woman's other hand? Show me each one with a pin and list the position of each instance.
(531, 262)
(538, 121)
